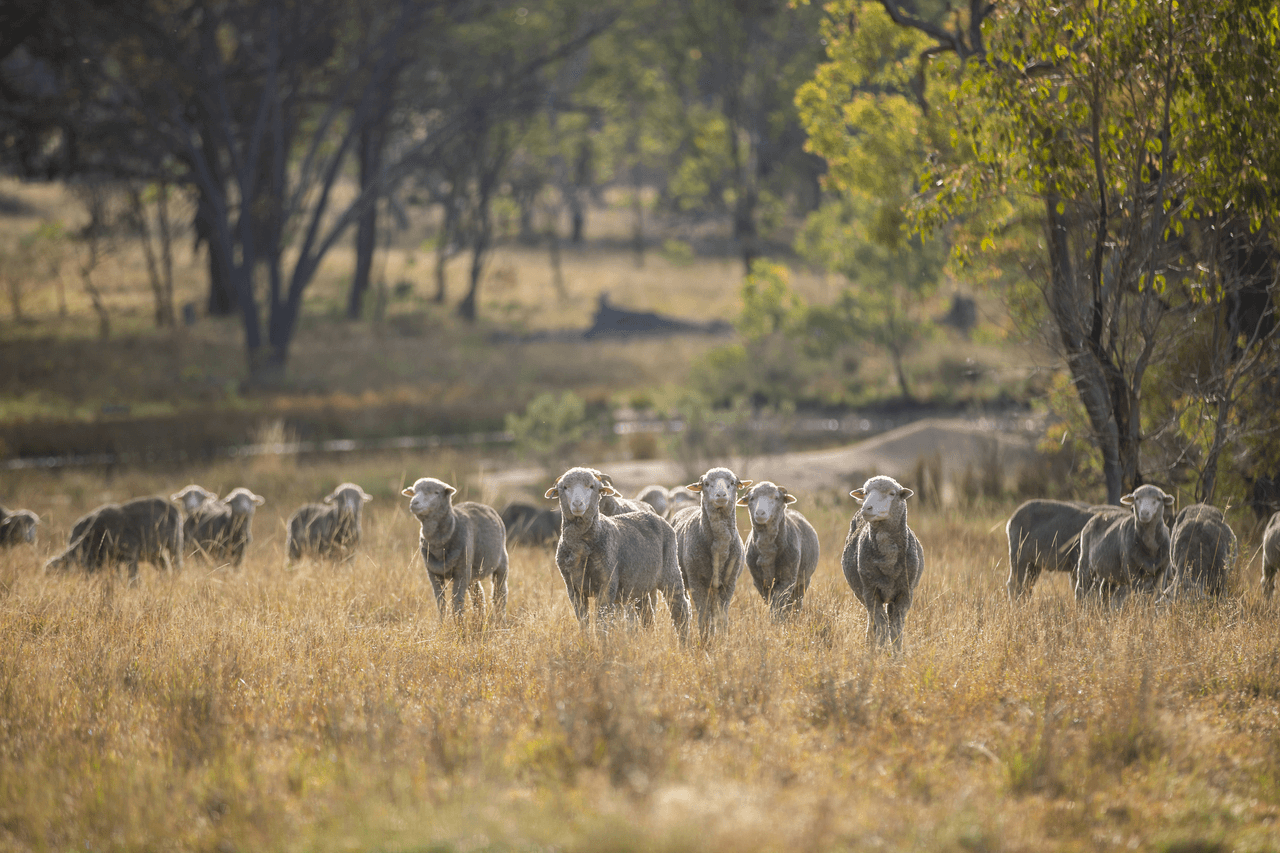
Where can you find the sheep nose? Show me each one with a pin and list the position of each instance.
(578, 508)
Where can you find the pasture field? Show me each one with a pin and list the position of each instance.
(325, 707)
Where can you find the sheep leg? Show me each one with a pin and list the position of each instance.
(500, 587)
(896, 617)
(437, 587)
(648, 604)
(461, 583)
(877, 621)
(477, 598)
(702, 603)
(1268, 578)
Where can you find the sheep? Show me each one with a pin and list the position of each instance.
(1202, 552)
(1044, 535)
(613, 503)
(679, 498)
(142, 529)
(331, 529)
(710, 551)
(782, 547)
(222, 529)
(882, 558)
(621, 560)
(1125, 550)
(17, 526)
(1270, 554)
(462, 543)
(192, 496)
(656, 497)
(530, 525)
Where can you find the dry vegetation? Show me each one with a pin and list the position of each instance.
(325, 707)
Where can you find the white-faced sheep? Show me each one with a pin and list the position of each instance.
(17, 526)
(656, 497)
(710, 549)
(621, 561)
(782, 547)
(1044, 535)
(1270, 555)
(1202, 550)
(1123, 551)
(192, 496)
(882, 558)
(139, 530)
(462, 543)
(530, 525)
(222, 529)
(329, 529)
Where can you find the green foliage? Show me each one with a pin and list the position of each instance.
(550, 429)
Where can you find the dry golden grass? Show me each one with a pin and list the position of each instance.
(326, 707)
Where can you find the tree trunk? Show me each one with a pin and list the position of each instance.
(370, 157)
(222, 300)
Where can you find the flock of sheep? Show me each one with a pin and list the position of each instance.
(683, 544)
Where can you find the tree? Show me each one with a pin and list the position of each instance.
(1074, 121)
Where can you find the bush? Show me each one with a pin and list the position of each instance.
(550, 429)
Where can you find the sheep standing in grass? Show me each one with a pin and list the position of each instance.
(882, 558)
(140, 530)
(329, 529)
(1270, 555)
(463, 543)
(222, 529)
(17, 526)
(782, 547)
(710, 549)
(1044, 535)
(656, 497)
(621, 561)
(530, 525)
(1121, 551)
(1202, 550)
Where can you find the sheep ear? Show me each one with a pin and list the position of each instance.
(364, 497)
(450, 491)
(790, 498)
(905, 493)
(258, 500)
(408, 493)
(1127, 500)
(742, 501)
(859, 494)
(695, 487)
(328, 499)
(610, 490)
(552, 493)
(1168, 500)
(745, 484)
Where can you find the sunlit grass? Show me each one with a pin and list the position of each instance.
(326, 707)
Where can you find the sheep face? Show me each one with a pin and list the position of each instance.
(1148, 503)
(429, 496)
(190, 497)
(20, 526)
(348, 498)
(243, 502)
(766, 503)
(719, 487)
(878, 496)
(579, 491)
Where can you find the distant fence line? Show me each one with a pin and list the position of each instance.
(850, 425)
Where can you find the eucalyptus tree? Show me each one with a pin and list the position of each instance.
(1073, 138)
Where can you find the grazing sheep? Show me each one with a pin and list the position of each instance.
(222, 529)
(782, 547)
(1270, 554)
(462, 543)
(17, 526)
(622, 560)
(1202, 550)
(710, 550)
(1044, 535)
(192, 496)
(530, 525)
(882, 558)
(142, 529)
(331, 529)
(1122, 551)
(679, 498)
(656, 497)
